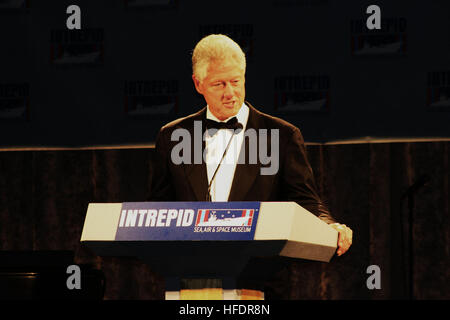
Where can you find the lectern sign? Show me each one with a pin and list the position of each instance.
(187, 221)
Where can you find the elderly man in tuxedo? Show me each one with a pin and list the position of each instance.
(219, 66)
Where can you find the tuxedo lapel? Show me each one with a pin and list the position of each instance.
(245, 173)
(196, 172)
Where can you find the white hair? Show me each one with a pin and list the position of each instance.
(215, 47)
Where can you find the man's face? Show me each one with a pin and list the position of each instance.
(223, 88)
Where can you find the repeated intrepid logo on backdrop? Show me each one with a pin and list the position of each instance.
(302, 93)
(14, 5)
(14, 101)
(151, 97)
(83, 47)
(243, 34)
(438, 91)
(390, 40)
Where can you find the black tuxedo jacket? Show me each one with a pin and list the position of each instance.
(294, 180)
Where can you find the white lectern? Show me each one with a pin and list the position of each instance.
(206, 240)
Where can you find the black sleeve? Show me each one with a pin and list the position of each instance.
(298, 183)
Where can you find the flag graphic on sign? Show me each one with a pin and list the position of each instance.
(225, 217)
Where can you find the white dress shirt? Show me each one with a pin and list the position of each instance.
(215, 147)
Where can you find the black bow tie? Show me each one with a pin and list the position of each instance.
(230, 124)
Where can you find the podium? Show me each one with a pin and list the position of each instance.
(213, 241)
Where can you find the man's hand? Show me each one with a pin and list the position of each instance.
(344, 239)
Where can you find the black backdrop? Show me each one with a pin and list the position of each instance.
(312, 62)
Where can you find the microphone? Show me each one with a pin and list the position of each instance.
(237, 128)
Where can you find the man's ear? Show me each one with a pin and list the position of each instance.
(197, 84)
